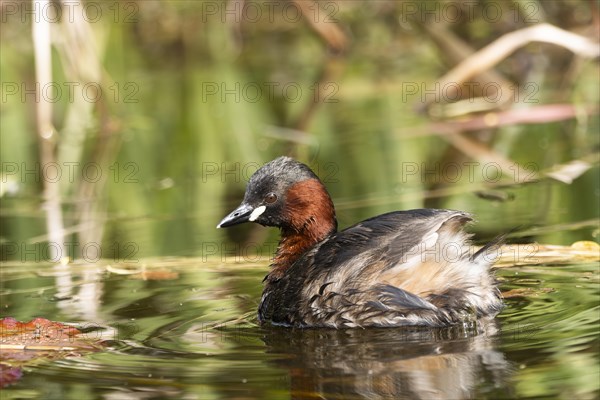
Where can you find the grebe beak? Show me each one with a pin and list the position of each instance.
(238, 216)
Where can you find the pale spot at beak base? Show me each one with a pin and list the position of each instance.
(256, 213)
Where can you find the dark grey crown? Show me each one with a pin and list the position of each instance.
(276, 176)
(284, 169)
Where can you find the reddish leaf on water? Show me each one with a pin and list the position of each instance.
(38, 330)
(37, 341)
(24, 341)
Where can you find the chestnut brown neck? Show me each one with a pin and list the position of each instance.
(309, 219)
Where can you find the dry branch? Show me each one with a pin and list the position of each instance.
(501, 48)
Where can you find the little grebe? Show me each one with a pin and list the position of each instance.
(401, 268)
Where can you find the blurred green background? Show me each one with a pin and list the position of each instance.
(163, 109)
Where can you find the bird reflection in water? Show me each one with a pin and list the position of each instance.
(394, 363)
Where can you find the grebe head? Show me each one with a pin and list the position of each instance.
(287, 194)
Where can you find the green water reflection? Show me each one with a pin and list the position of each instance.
(196, 337)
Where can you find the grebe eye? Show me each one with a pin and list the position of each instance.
(270, 198)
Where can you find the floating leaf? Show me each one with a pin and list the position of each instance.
(157, 275)
(25, 343)
(38, 331)
(586, 245)
(161, 274)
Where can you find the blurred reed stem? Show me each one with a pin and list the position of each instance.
(47, 134)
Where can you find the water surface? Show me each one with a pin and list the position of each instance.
(193, 334)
